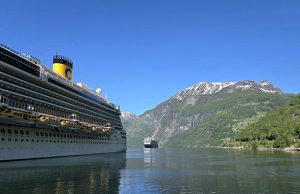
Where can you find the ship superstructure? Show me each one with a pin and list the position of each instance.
(43, 113)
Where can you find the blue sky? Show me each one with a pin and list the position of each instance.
(142, 52)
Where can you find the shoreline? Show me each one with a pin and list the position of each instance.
(264, 149)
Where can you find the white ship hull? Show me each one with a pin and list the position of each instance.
(19, 147)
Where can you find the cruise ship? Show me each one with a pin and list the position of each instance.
(150, 143)
(43, 113)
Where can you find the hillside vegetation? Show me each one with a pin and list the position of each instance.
(224, 116)
(278, 129)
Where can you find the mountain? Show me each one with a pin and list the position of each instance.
(278, 129)
(137, 129)
(205, 114)
(208, 88)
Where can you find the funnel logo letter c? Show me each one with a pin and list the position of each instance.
(68, 73)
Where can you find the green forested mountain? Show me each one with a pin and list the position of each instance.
(223, 119)
(205, 114)
(279, 128)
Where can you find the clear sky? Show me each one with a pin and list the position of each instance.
(142, 52)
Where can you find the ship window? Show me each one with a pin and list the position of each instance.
(27, 132)
(46, 134)
(32, 140)
(16, 132)
(37, 140)
(50, 134)
(42, 134)
(2, 130)
(16, 139)
(9, 139)
(37, 134)
(68, 136)
(61, 135)
(27, 140)
(21, 140)
(2, 139)
(21, 132)
(64, 135)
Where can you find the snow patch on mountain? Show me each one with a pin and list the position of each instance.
(129, 116)
(209, 88)
(203, 88)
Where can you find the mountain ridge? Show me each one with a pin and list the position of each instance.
(204, 88)
(195, 108)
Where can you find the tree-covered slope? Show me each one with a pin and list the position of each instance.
(279, 128)
(224, 115)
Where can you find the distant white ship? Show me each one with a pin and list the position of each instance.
(150, 143)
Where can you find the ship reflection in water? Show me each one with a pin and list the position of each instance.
(83, 174)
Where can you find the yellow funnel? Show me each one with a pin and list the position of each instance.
(63, 66)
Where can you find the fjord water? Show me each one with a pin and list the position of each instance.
(156, 171)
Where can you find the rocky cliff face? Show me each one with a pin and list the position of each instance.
(207, 113)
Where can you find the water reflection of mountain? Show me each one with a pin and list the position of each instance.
(84, 174)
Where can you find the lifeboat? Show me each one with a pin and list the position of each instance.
(64, 122)
(44, 118)
(95, 127)
(13, 114)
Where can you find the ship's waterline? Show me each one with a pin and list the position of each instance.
(43, 113)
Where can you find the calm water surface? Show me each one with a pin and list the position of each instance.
(156, 171)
